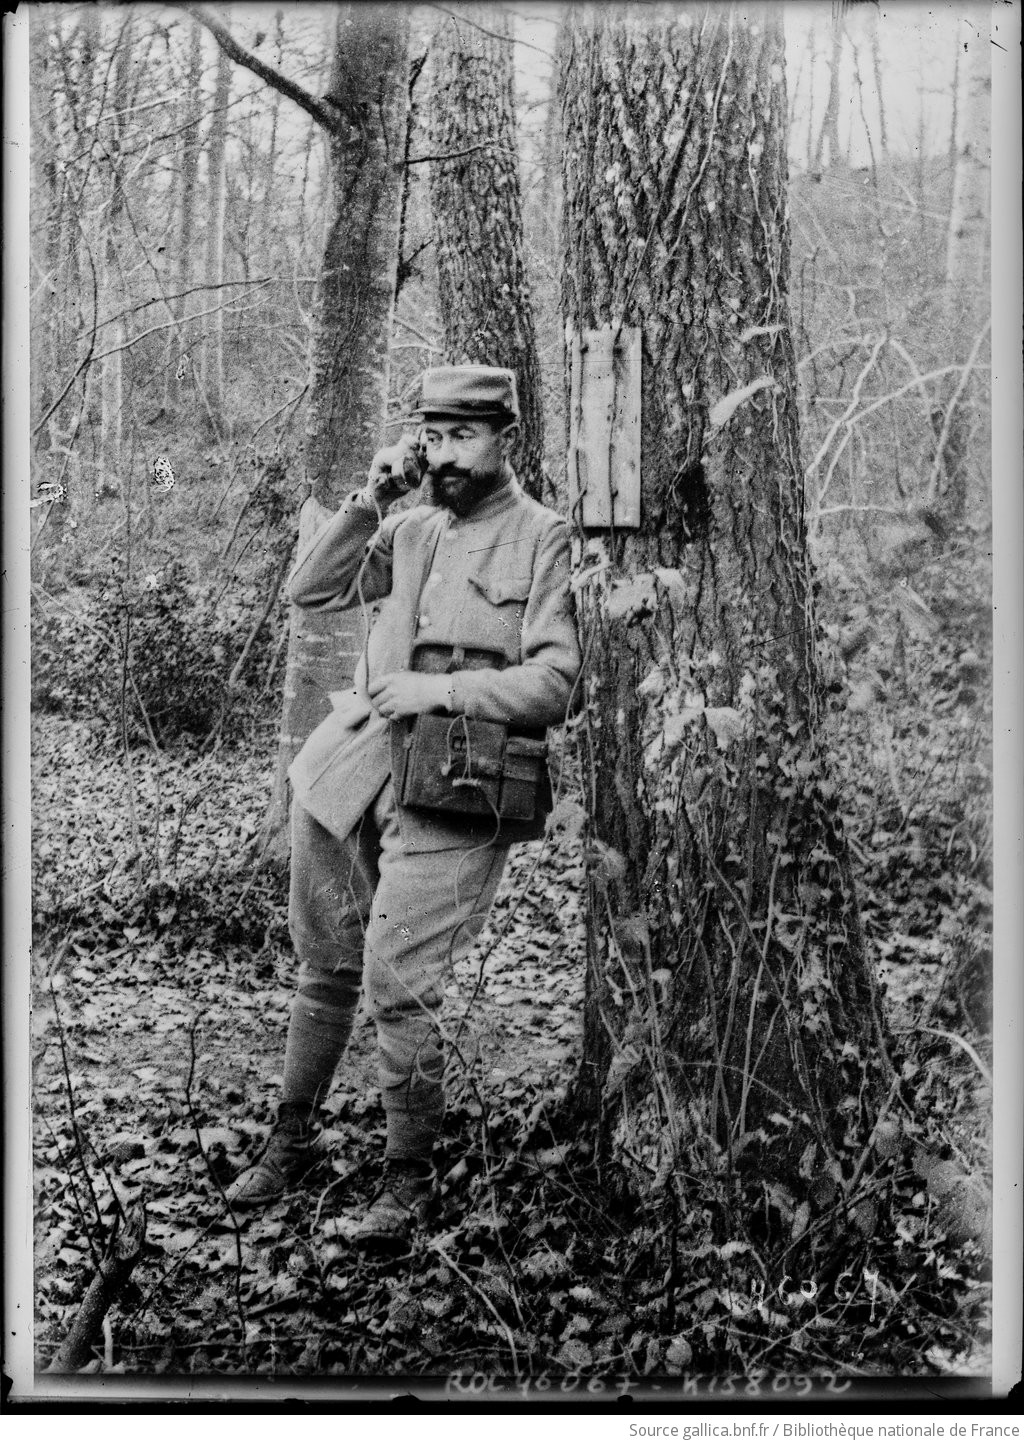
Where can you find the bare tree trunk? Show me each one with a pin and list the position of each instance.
(113, 288)
(62, 128)
(216, 156)
(828, 135)
(549, 196)
(275, 111)
(51, 346)
(731, 1013)
(954, 117)
(921, 151)
(475, 196)
(858, 84)
(188, 186)
(876, 64)
(967, 238)
(812, 46)
(966, 267)
(190, 151)
(349, 385)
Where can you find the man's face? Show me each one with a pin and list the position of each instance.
(465, 461)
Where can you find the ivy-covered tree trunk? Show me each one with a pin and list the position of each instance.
(476, 201)
(368, 93)
(731, 1016)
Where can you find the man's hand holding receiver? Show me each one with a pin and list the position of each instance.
(394, 471)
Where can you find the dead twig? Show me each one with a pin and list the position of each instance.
(112, 1274)
(75, 1130)
(475, 1289)
(961, 1042)
(947, 420)
(234, 680)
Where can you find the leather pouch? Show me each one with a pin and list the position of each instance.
(464, 765)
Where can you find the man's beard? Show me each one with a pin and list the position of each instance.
(460, 491)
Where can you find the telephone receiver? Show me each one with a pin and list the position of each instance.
(412, 461)
(419, 456)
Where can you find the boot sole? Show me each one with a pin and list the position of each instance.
(388, 1248)
(257, 1201)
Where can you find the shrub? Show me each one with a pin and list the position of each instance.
(165, 646)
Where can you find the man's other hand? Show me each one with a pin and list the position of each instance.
(403, 694)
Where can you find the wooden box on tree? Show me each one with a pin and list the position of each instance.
(604, 427)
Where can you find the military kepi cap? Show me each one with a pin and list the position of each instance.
(469, 391)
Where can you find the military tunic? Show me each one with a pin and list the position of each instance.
(496, 580)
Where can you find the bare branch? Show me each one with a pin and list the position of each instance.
(427, 340)
(486, 145)
(859, 507)
(236, 672)
(954, 401)
(494, 34)
(177, 296)
(89, 355)
(322, 114)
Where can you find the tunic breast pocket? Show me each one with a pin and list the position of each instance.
(502, 618)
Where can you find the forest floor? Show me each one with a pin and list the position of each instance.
(163, 974)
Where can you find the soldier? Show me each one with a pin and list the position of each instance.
(476, 626)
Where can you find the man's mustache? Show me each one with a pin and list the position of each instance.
(448, 473)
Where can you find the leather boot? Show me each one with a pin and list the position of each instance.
(408, 1190)
(289, 1154)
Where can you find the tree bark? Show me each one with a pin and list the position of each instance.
(368, 94)
(189, 168)
(275, 111)
(966, 266)
(828, 135)
(812, 46)
(188, 187)
(62, 94)
(876, 66)
(475, 195)
(967, 240)
(55, 239)
(48, 198)
(731, 1012)
(113, 289)
(216, 159)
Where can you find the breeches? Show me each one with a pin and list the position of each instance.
(365, 913)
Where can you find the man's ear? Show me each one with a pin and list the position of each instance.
(509, 437)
